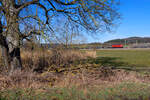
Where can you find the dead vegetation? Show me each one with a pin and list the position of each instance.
(57, 69)
(40, 61)
(80, 78)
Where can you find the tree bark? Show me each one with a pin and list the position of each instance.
(12, 50)
(5, 57)
(11, 56)
(15, 60)
(10, 40)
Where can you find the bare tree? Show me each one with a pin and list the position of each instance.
(66, 33)
(23, 18)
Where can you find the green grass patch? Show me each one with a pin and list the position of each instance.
(124, 91)
(139, 59)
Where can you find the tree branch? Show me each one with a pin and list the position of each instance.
(60, 10)
(66, 3)
(30, 33)
(46, 11)
(51, 4)
(20, 7)
(38, 4)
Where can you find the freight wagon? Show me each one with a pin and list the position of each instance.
(117, 46)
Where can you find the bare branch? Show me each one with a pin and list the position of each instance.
(38, 4)
(59, 10)
(66, 3)
(51, 4)
(34, 17)
(46, 11)
(27, 4)
(30, 33)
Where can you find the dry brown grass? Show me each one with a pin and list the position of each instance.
(36, 59)
(41, 60)
(22, 79)
(91, 53)
(100, 78)
(82, 78)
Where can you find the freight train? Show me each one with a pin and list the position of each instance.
(117, 46)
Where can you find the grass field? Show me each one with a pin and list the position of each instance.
(128, 58)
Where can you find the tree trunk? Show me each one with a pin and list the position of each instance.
(11, 58)
(5, 57)
(15, 60)
(10, 40)
(12, 50)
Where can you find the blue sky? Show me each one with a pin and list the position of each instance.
(135, 21)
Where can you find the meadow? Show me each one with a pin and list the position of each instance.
(134, 59)
(113, 74)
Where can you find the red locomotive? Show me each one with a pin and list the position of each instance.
(117, 46)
